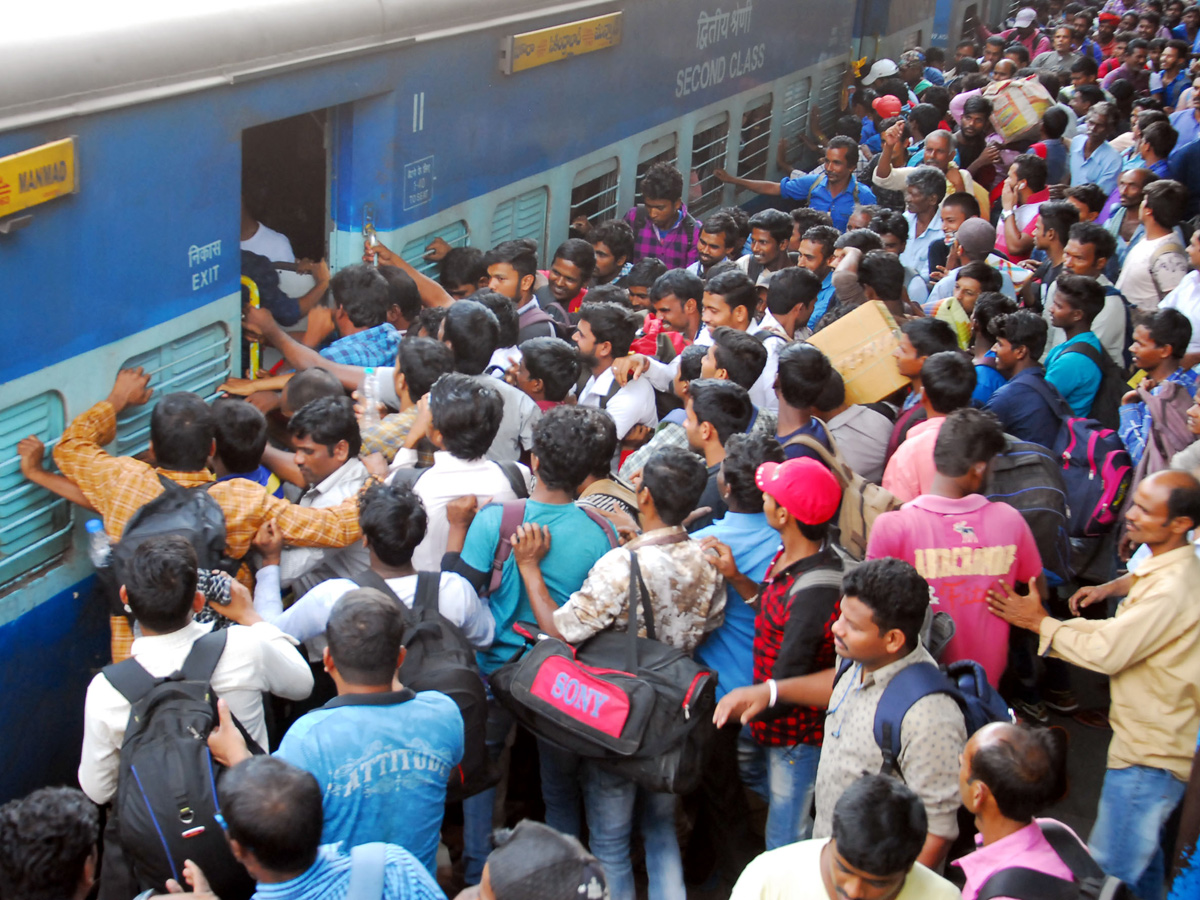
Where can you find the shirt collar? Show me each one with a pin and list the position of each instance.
(1164, 561)
(387, 698)
(445, 460)
(654, 533)
(743, 522)
(348, 471)
(172, 641)
(187, 479)
(885, 674)
(949, 505)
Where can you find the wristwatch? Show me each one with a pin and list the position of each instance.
(1005, 213)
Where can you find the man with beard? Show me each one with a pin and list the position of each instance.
(1125, 224)
(974, 152)
(770, 232)
(718, 236)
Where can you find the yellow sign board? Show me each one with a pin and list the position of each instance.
(35, 176)
(536, 48)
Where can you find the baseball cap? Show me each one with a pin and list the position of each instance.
(887, 106)
(535, 862)
(1109, 18)
(883, 68)
(764, 279)
(804, 487)
(908, 57)
(977, 236)
(1025, 17)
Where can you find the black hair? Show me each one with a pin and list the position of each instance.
(160, 582)
(309, 384)
(614, 234)
(882, 272)
(1024, 328)
(926, 118)
(610, 293)
(832, 395)
(613, 323)
(863, 239)
(896, 594)
(662, 181)
(849, 144)
(1085, 66)
(46, 839)
(1184, 500)
(968, 436)
(560, 443)
(879, 825)
(521, 254)
(736, 289)
(803, 371)
(597, 433)
(849, 127)
(965, 67)
(1024, 768)
(460, 266)
(505, 312)
(394, 521)
(1020, 51)
(989, 306)
(422, 361)
(1054, 122)
(1090, 195)
(995, 40)
(740, 354)
(365, 633)
(805, 217)
(402, 292)
(683, 284)
(742, 218)
(691, 360)
(724, 405)
(967, 42)
(1169, 327)
(964, 201)
(977, 105)
(1058, 216)
(989, 279)
(775, 222)
(1092, 93)
(1032, 170)
(722, 224)
(1167, 200)
(889, 221)
(363, 293)
(948, 379)
(473, 333)
(467, 412)
(791, 287)
(825, 235)
(1081, 293)
(930, 336)
(429, 321)
(182, 431)
(328, 421)
(554, 362)
(938, 97)
(241, 434)
(580, 254)
(644, 272)
(744, 453)
(675, 478)
(1104, 244)
(273, 809)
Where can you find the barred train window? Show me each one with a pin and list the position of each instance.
(594, 193)
(523, 216)
(413, 253)
(708, 155)
(755, 145)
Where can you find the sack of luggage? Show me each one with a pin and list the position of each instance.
(639, 707)
(1017, 107)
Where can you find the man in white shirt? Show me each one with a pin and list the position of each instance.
(1186, 299)
(326, 441)
(605, 331)
(791, 296)
(160, 589)
(258, 238)
(1087, 253)
(1156, 264)
(394, 524)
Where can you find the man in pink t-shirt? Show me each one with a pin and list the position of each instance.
(947, 380)
(961, 542)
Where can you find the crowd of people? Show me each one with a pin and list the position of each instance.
(523, 446)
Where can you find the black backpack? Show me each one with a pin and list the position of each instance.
(1028, 884)
(166, 802)
(1107, 403)
(1028, 477)
(440, 658)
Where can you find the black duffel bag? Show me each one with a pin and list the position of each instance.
(640, 708)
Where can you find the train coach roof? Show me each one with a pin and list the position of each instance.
(79, 56)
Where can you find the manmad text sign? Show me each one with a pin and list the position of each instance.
(35, 176)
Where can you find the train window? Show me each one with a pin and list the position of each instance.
(708, 155)
(455, 234)
(755, 144)
(523, 216)
(829, 102)
(796, 97)
(594, 193)
(197, 362)
(35, 525)
(660, 150)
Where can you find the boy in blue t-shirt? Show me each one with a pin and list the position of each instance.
(241, 438)
(1071, 366)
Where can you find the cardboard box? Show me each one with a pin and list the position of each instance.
(860, 346)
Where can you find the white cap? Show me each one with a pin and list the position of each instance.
(883, 68)
(1025, 17)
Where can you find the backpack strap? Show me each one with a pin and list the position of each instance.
(369, 578)
(130, 679)
(368, 863)
(1053, 398)
(907, 686)
(612, 392)
(606, 526)
(428, 587)
(202, 660)
(516, 480)
(133, 682)
(1070, 851)
(511, 516)
(1027, 884)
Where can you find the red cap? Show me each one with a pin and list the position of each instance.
(887, 106)
(804, 487)
(1110, 18)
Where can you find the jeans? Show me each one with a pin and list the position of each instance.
(752, 764)
(609, 801)
(479, 810)
(560, 788)
(1126, 840)
(792, 777)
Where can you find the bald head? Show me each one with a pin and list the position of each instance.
(1024, 769)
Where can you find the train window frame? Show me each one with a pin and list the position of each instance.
(456, 234)
(23, 503)
(829, 100)
(709, 131)
(794, 117)
(664, 148)
(760, 157)
(595, 179)
(510, 212)
(163, 363)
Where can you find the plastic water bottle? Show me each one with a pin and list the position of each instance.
(99, 547)
(369, 394)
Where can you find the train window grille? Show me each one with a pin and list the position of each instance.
(708, 155)
(523, 216)
(455, 234)
(197, 362)
(755, 144)
(35, 525)
(661, 150)
(830, 100)
(794, 118)
(594, 193)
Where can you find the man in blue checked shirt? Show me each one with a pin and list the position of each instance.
(367, 338)
(835, 191)
(1159, 343)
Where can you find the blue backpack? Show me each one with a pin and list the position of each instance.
(963, 680)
